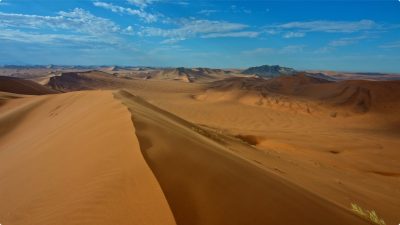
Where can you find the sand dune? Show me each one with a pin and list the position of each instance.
(302, 90)
(189, 75)
(94, 80)
(290, 150)
(98, 174)
(74, 159)
(358, 76)
(206, 184)
(91, 80)
(341, 158)
(21, 86)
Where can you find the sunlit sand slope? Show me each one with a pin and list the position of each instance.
(74, 159)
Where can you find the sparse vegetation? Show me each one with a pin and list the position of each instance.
(367, 214)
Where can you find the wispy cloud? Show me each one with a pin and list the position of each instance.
(236, 9)
(287, 50)
(208, 12)
(128, 30)
(231, 9)
(391, 45)
(259, 51)
(346, 41)
(294, 35)
(327, 26)
(147, 17)
(323, 50)
(182, 3)
(341, 42)
(292, 49)
(142, 3)
(78, 20)
(2, 2)
(198, 28)
(74, 27)
(54, 39)
(248, 34)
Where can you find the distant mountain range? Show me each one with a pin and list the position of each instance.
(46, 67)
(111, 68)
(269, 71)
(189, 74)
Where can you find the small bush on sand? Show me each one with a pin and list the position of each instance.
(367, 214)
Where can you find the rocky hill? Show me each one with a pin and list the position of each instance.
(269, 71)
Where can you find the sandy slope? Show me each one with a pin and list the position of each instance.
(74, 159)
(345, 159)
(21, 86)
(304, 93)
(206, 184)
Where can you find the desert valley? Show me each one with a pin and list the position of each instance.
(198, 146)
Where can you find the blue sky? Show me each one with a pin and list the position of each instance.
(334, 35)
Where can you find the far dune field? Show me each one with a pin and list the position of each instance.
(197, 147)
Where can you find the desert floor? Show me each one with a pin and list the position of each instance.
(172, 152)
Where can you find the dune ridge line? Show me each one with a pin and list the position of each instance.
(208, 186)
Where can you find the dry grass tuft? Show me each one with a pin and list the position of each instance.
(367, 214)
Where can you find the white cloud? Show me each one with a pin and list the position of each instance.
(349, 40)
(62, 39)
(129, 28)
(287, 50)
(327, 26)
(248, 34)
(88, 22)
(323, 50)
(147, 17)
(259, 51)
(182, 3)
(272, 31)
(195, 28)
(142, 3)
(77, 20)
(292, 49)
(77, 26)
(236, 9)
(341, 42)
(207, 12)
(232, 9)
(172, 40)
(391, 45)
(248, 11)
(294, 35)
